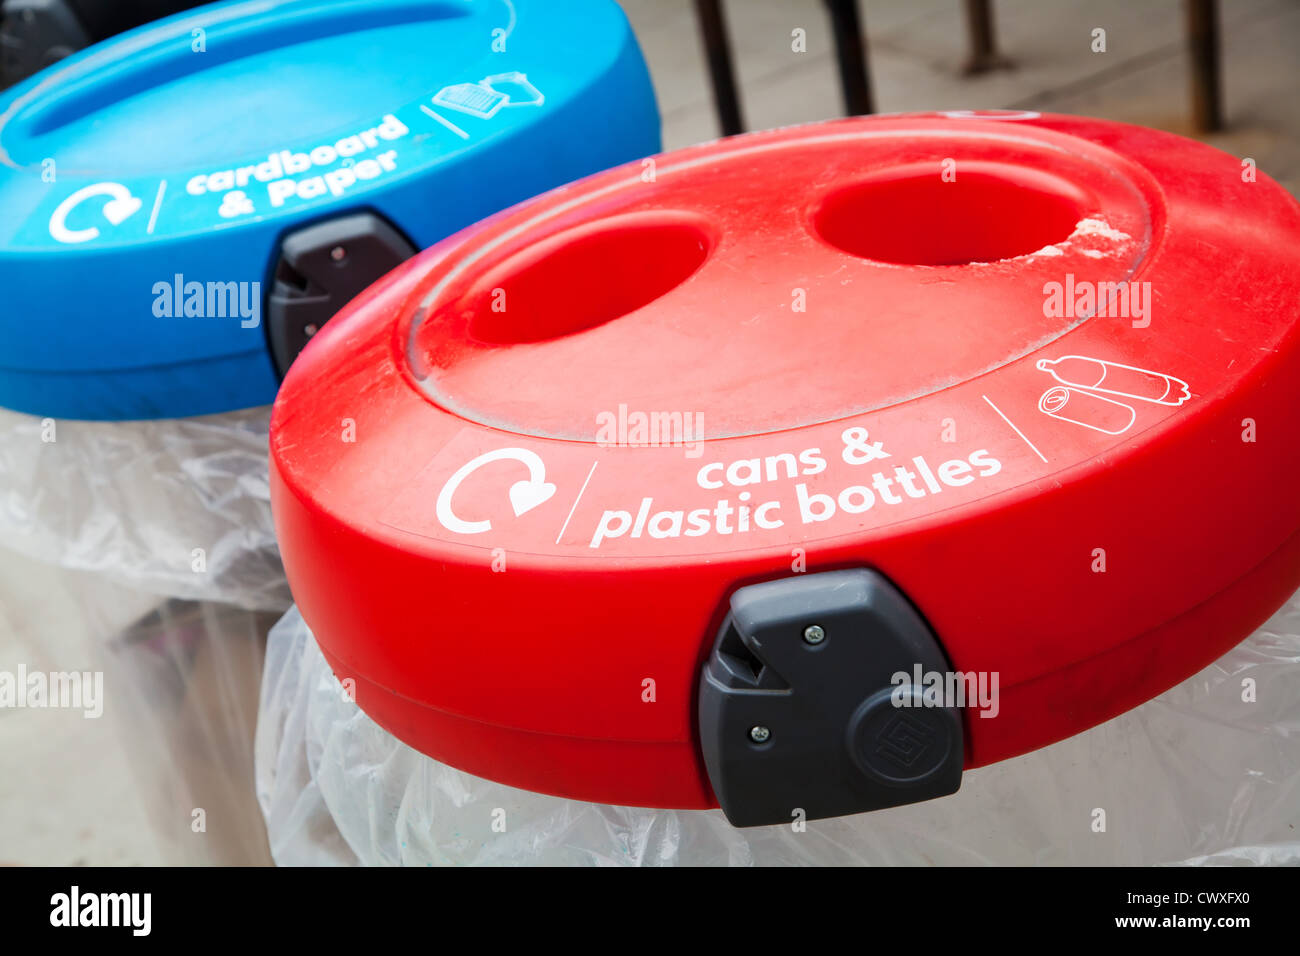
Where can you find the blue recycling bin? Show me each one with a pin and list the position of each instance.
(185, 204)
(181, 208)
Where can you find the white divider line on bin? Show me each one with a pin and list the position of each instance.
(575, 501)
(1015, 429)
(445, 122)
(157, 204)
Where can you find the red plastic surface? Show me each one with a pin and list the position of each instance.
(479, 537)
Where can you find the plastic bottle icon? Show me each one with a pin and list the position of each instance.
(1086, 409)
(1077, 371)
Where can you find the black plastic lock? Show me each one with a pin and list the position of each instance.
(801, 714)
(321, 268)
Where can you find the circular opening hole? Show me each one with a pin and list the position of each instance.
(983, 212)
(583, 278)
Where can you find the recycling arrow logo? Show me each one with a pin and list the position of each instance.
(121, 205)
(525, 495)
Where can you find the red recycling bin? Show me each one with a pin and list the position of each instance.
(553, 494)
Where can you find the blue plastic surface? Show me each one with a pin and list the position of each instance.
(179, 153)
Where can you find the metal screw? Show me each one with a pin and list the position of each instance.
(311, 329)
(338, 253)
(759, 734)
(813, 634)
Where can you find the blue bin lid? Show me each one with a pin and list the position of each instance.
(148, 183)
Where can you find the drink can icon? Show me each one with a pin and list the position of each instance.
(1084, 408)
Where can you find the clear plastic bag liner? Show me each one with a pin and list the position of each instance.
(158, 537)
(173, 735)
(174, 507)
(189, 672)
(1208, 772)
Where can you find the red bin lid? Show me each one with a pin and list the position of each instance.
(1037, 372)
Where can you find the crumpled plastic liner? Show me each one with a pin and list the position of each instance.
(179, 702)
(1196, 776)
(191, 672)
(114, 512)
(133, 500)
